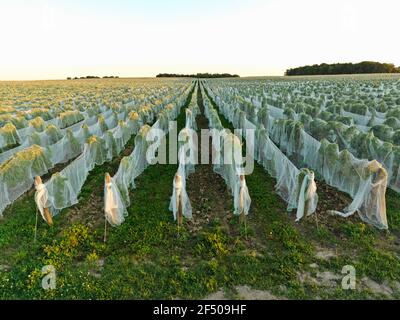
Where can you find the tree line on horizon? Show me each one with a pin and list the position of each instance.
(198, 75)
(344, 68)
(93, 77)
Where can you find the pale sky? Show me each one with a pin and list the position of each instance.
(53, 39)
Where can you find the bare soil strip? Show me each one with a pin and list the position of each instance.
(208, 193)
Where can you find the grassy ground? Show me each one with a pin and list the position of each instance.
(145, 259)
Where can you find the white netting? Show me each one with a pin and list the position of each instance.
(140, 158)
(364, 180)
(47, 137)
(180, 202)
(296, 187)
(16, 174)
(8, 136)
(187, 155)
(64, 187)
(228, 148)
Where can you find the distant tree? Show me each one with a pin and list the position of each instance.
(344, 68)
(198, 75)
(93, 77)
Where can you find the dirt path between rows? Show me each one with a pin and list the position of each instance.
(211, 200)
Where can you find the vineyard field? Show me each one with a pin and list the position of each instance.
(318, 194)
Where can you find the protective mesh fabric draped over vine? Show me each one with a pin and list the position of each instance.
(179, 196)
(94, 142)
(16, 175)
(296, 187)
(228, 148)
(114, 207)
(187, 156)
(63, 150)
(54, 137)
(365, 181)
(361, 142)
(117, 191)
(97, 151)
(8, 135)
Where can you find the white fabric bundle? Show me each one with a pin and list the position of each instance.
(308, 197)
(114, 207)
(179, 195)
(241, 197)
(41, 198)
(186, 166)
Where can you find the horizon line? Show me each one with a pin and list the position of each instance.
(247, 76)
(122, 77)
